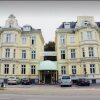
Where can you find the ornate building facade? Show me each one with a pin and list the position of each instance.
(78, 48)
(20, 49)
(77, 51)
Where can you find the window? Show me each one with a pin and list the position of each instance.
(62, 39)
(7, 53)
(73, 53)
(14, 55)
(33, 54)
(23, 69)
(62, 54)
(24, 40)
(33, 40)
(63, 70)
(15, 38)
(92, 68)
(72, 39)
(91, 52)
(32, 69)
(73, 69)
(66, 25)
(81, 36)
(86, 23)
(23, 54)
(8, 38)
(83, 52)
(84, 69)
(89, 35)
(13, 70)
(6, 69)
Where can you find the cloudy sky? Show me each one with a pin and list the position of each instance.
(48, 15)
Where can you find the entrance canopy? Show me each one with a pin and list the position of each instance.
(48, 65)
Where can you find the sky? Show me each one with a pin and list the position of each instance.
(47, 15)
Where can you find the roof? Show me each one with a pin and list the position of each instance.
(72, 24)
(12, 16)
(48, 65)
(98, 24)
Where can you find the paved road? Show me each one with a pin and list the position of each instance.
(46, 97)
(47, 92)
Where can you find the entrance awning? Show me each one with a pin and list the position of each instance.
(48, 65)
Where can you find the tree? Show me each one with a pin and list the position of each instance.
(50, 46)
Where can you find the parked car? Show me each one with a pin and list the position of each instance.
(83, 82)
(25, 81)
(65, 81)
(13, 80)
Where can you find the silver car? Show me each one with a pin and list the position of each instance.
(13, 80)
(66, 81)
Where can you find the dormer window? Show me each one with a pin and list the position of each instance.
(27, 28)
(66, 25)
(86, 23)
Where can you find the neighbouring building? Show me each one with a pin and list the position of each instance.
(20, 49)
(78, 48)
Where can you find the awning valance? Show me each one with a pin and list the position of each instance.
(48, 65)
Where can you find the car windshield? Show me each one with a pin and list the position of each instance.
(65, 77)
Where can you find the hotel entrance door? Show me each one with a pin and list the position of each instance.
(48, 79)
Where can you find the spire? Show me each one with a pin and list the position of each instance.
(11, 16)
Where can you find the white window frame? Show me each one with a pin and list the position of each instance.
(63, 70)
(66, 25)
(62, 39)
(73, 53)
(92, 69)
(33, 69)
(14, 54)
(7, 53)
(63, 55)
(23, 54)
(89, 35)
(6, 68)
(33, 55)
(83, 52)
(23, 69)
(74, 70)
(8, 38)
(13, 69)
(91, 52)
(33, 41)
(24, 39)
(72, 39)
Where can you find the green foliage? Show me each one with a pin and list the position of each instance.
(50, 46)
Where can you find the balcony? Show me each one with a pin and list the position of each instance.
(8, 44)
(89, 42)
(90, 59)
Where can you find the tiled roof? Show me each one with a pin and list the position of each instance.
(98, 24)
(72, 25)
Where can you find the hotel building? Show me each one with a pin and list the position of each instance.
(77, 51)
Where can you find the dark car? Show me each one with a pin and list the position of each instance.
(25, 81)
(83, 82)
